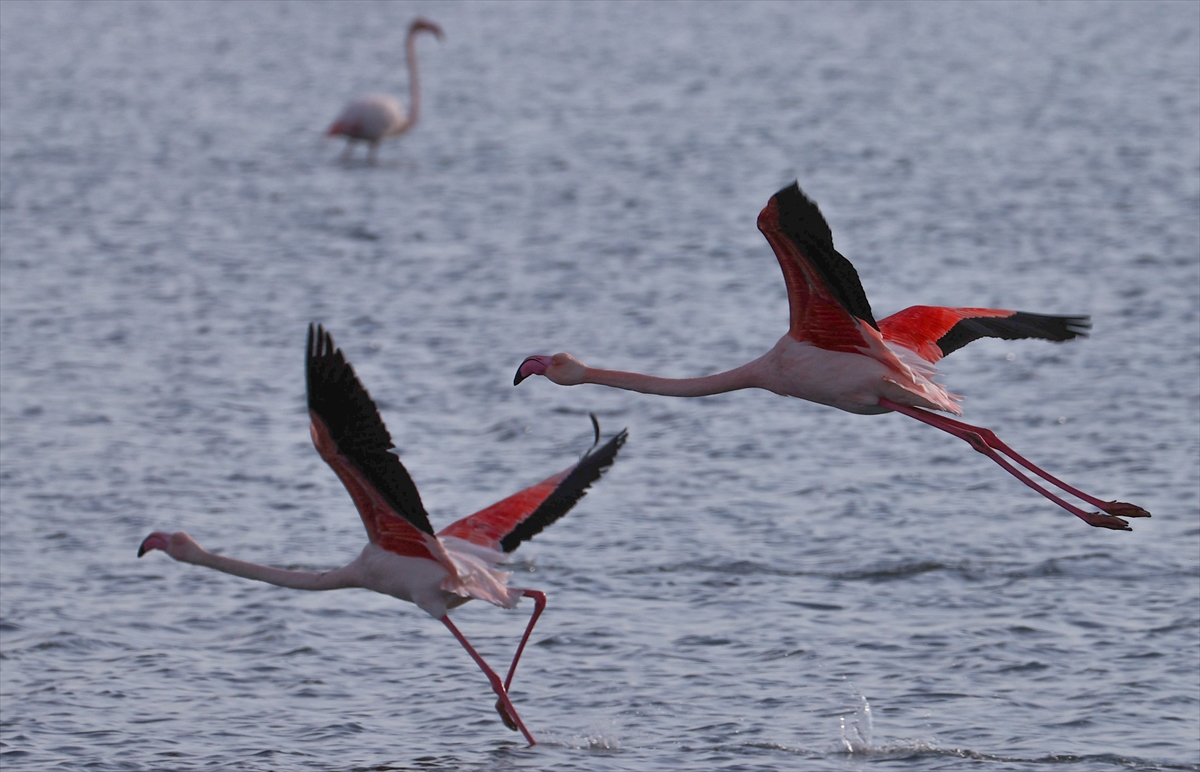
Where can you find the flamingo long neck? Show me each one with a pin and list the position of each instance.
(414, 80)
(744, 377)
(297, 580)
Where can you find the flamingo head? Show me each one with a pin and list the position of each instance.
(563, 369)
(424, 25)
(179, 546)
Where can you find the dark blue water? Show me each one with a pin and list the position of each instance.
(759, 583)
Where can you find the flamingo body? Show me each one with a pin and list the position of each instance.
(847, 381)
(835, 352)
(376, 117)
(371, 118)
(431, 585)
(404, 558)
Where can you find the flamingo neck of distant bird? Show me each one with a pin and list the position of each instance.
(744, 377)
(414, 82)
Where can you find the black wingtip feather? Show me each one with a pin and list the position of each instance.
(1018, 326)
(339, 399)
(804, 224)
(569, 491)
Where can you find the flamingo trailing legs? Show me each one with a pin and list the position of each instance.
(376, 117)
(404, 558)
(836, 354)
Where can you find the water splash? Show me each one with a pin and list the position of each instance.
(603, 739)
(856, 732)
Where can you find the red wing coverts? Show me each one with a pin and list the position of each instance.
(935, 332)
(344, 414)
(825, 294)
(520, 517)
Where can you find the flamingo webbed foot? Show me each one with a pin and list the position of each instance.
(1099, 520)
(1122, 509)
(505, 717)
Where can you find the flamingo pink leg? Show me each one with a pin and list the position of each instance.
(986, 442)
(540, 599)
(497, 686)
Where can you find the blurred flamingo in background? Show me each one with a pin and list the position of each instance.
(404, 557)
(376, 117)
(836, 354)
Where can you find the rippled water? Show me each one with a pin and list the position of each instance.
(759, 583)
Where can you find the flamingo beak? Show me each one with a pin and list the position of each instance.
(155, 541)
(535, 365)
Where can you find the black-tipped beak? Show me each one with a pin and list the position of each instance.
(520, 376)
(154, 541)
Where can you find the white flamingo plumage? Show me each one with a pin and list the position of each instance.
(376, 117)
(404, 558)
(836, 354)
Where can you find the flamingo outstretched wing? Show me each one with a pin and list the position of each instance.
(521, 516)
(350, 436)
(934, 332)
(825, 295)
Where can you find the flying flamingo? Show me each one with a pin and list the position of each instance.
(376, 117)
(404, 557)
(836, 354)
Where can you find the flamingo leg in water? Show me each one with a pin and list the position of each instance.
(986, 442)
(540, 599)
(497, 686)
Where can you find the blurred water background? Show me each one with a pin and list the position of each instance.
(759, 583)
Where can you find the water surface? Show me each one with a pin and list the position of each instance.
(759, 583)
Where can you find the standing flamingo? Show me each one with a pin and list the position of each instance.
(836, 354)
(376, 117)
(404, 558)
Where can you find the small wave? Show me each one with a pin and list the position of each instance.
(886, 572)
(1084, 566)
(901, 570)
(702, 640)
(66, 642)
(816, 606)
(736, 567)
(910, 750)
